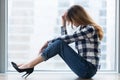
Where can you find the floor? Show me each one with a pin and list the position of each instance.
(58, 76)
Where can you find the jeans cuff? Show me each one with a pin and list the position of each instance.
(44, 57)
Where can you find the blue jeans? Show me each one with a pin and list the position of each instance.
(76, 63)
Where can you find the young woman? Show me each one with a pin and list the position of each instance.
(87, 39)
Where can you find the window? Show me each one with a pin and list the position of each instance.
(32, 22)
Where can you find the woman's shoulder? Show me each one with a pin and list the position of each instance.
(88, 27)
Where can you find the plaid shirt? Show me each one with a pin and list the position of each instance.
(86, 42)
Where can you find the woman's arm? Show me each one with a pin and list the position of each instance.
(63, 27)
(87, 32)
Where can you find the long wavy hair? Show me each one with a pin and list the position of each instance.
(77, 14)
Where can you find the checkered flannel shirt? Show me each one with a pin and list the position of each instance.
(86, 42)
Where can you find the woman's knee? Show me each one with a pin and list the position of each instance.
(59, 41)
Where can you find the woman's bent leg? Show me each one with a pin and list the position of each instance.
(77, 64)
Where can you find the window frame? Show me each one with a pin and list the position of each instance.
(3, 36)
(118, 32)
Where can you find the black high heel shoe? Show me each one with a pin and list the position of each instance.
(27, 70)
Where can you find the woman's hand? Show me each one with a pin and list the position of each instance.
(43, 47)
(64, 19)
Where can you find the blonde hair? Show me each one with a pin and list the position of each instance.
(78, 15)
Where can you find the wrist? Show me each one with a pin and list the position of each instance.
(63, 27)
(63, 23)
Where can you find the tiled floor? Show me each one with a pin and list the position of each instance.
(58, 76)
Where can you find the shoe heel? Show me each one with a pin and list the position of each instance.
(26, 75)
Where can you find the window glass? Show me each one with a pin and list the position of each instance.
(32, 22)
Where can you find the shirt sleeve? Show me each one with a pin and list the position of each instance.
(86, 32)
(63, 30)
